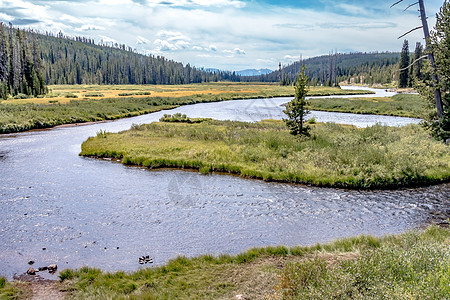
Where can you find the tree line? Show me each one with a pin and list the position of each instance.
(79, 60)
(20, 64)
(330, 70)
(30, 60)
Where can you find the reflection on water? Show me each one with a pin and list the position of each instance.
(103, 214)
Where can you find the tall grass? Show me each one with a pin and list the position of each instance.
(413, 265)
(335, 155)
(410, 267)
(402, 105)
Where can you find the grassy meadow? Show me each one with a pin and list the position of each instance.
(78, 104)
(412, 265)
(334, 155)
(400, 105)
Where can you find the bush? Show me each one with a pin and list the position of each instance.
(22, 96)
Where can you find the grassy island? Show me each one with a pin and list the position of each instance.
(334, 155)
(412, 265)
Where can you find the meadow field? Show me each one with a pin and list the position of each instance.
(70, 104)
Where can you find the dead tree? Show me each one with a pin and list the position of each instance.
(426, 33)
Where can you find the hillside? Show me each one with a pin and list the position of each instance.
(332, 69)
(79, 60)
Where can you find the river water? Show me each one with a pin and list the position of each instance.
(57, 207)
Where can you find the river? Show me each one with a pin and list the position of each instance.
(60, 208)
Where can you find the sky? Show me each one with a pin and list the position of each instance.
(229, 34)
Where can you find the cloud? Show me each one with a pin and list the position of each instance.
(115, 2)
(225, 34)
(196, 3)
(359, 26)
(293, 26)
(239, 51)
(235, 51)
(6, 17)
(142, 40)
(171, 41)
(88, 27)
(354, 9)
(107, 39)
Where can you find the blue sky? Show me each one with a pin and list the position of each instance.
(228, 34)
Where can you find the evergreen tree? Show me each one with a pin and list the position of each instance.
(296, 109)
(403, 79)
(417, 67)
(20, 66)
(440, 46)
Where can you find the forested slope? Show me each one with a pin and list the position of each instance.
(81, 61)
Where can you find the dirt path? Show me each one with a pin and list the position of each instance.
(47, 290)
(38, 288)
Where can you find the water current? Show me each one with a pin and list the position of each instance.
(57, 207)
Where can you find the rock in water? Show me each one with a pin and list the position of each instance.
(31, 271)
(52, 268)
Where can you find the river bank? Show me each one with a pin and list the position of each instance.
(54, 199)
(334, 155)
(75, 104)
(412, 264)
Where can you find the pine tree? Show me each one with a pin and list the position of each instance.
(417, 67)
(296, 109)
(404, 63)
(440, 47)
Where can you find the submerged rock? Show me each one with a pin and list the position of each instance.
(52, 268)
(32, 271)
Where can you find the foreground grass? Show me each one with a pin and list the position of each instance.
(412, 265)
(78, 104)
(401, 105)
(335, 155)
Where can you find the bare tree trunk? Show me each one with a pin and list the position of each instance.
(426, 32)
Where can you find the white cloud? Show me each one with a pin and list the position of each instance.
(107, 39)
(5, 17)
(211, 33)
(88, 27)
(191, 3)
(353, 9)
(239, 51)
(115, 2)
(171, 41)
(291, 57)
(142, 40)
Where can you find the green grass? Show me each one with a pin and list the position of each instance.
(13, 290)
(412, 265)
(335, 155)
(402, 105)
(72, 106)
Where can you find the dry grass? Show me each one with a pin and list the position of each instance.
(83, 92)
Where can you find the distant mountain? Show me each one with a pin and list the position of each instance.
(253, 72)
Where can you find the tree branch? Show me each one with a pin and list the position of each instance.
(420, 58)
(411, 5)
(409, 32)
(396, 3)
